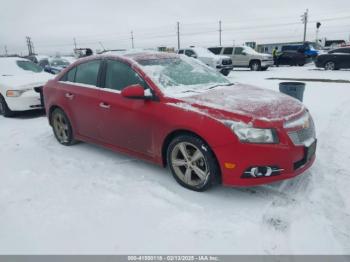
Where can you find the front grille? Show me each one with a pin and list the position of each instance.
(227, 62)
(304, 135)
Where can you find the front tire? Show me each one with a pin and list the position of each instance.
(255, 66)
(192, 163)
(4, 109)
(62, 127)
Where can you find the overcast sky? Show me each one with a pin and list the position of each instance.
(52, 25)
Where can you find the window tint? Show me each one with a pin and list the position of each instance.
(87, 73)
(120, 75)
(228, 51)
(181, 51)
(215, 50)
(238, 50)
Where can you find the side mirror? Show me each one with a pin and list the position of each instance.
(134, 92)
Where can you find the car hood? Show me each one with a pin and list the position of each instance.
(242, 100)
(26, 80)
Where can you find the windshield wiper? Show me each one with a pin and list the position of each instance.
(229, 84)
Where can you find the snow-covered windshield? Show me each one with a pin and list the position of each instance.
(29, 66)
(181, 74)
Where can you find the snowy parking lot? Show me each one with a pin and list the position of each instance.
(87, 199)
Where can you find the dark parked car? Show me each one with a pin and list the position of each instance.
(335, 59)
(291, 58)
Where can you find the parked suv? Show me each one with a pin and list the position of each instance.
(244, 56)
(221, 63)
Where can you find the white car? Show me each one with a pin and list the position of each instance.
(221, 63)
(21, 83)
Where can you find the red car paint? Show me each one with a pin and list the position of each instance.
(141, 128)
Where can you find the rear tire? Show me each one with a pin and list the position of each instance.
(62, 128)
(192, 163)
(255, 66)
(4, 109)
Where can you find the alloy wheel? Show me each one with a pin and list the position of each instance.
(329, 66)
(61, 128)
(189, 164)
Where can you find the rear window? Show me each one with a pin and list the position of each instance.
(215, 50)
(29, 66)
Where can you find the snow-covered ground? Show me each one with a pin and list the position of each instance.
(87, 199)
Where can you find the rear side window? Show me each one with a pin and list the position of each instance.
(238, 50)
(215, 50)
(181, 51)
(120, 75)
(228, 51)
(87, 73)
(71, 75)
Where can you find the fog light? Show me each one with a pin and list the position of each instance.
(262, 171)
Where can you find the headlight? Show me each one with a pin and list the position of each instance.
(301, 121)
(16, 93)
(248, 134)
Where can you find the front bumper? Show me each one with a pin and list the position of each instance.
(267, 63)
(27, 101)
(242, 157)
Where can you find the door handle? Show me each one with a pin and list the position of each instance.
(104, 105)
(69, 96)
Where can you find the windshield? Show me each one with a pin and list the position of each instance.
(59, 62)
(182, 74)
(29, 66)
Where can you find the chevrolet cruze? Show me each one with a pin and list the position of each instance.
(177, 112)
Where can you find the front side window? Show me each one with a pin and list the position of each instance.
(120, 75)
(87, 73)
(29, 66)
(228, 51)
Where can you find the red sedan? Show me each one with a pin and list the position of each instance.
(175, 111)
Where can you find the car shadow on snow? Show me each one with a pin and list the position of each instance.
(30, 114)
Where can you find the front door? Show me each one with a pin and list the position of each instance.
(126, 123)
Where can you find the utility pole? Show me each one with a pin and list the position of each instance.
(178, 35)
(304, 19)
(132, 40)
(29, 45)
(6, 50)
(75, 43)
(220, 30)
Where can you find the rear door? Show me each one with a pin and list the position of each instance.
(228, 51)
(126, 123)
(81, 95)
